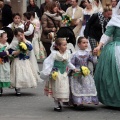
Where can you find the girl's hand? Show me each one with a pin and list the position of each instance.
(76, 70)
(95, 51)
(16, 52)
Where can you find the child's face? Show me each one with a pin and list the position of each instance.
(24, 18)
(4, 38)
(17, 19)
(20, 36)
(63, 47)
(84, 44)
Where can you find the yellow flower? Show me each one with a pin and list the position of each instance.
(23, 45)
(85, 70)
(54, 75)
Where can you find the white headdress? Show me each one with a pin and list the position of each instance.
(96, 8)
(1, 31)
(115, 20)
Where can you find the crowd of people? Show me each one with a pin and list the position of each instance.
(67, 50)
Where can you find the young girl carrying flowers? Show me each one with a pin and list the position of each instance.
(54, 68)
(24, 71)
(4, 62)
(83, 90)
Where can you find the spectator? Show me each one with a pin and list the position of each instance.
(82, 4)
(50, 22)
(6, 12)
(64, 6)
(42, 7)
(114, 4)
(97, 6)
(96, 26)
(1, 3)
(75, 12)
(32, 7)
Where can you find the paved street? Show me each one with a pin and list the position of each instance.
(33, 105)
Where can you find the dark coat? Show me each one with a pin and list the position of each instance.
(64, 6)
(34, 8)
(6, 15)
(42, 9)
(94, 28)
(47, 26)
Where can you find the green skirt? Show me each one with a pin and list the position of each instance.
(107, 75)
(4, 84)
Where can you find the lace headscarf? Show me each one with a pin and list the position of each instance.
(1, 32)
(96, 8)
(115, 20)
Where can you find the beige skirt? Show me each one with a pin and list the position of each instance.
(22, 74)
(59, 88)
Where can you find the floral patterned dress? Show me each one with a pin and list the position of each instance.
(83, 90)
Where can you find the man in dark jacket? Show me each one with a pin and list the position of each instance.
(6, 13)
(64, 6)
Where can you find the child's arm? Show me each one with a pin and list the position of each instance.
(93, 58)
(13, 52)
(71, 63)
(30, 30)
(29, 46)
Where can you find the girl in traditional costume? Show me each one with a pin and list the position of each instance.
(24, 69)
(4, 62)
(54, 68)
(38, 47)
(83, 90)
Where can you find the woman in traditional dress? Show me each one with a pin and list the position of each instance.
(107, 73)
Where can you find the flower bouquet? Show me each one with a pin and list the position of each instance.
(54, 74)
(22, 47)
(66, 20)
(83, 71)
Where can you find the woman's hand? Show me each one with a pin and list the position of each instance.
(53, 29)
(96, 50)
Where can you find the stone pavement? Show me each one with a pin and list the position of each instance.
(33, 105)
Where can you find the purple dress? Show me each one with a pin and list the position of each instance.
(83, 90)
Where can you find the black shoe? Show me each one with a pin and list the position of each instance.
(18, 94)
(17, 91)
(58, 109)
(1, 91)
